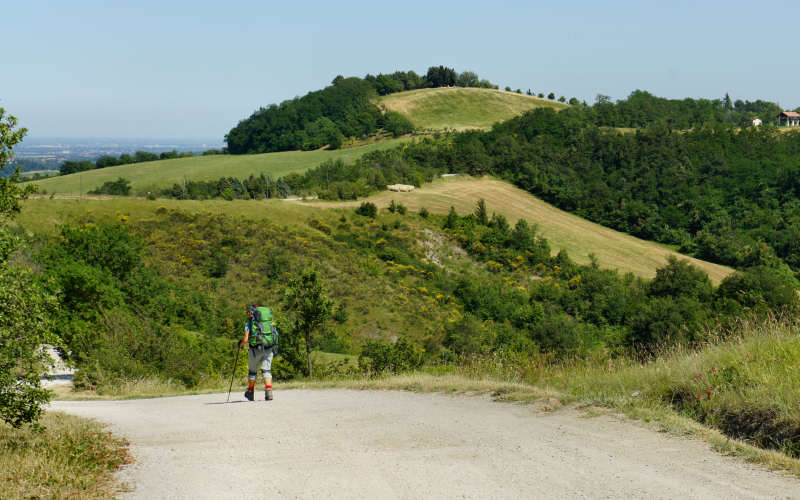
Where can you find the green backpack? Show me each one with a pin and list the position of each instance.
(262, 331)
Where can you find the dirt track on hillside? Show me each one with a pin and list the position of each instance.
(371, 444)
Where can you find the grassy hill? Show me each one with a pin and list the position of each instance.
(578, 236)
(462, 108)
(164, 173)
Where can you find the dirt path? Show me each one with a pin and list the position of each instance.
(370, 444)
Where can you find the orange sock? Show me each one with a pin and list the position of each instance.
(251, 385)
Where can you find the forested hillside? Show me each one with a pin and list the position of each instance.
(715, 192)
(344, 109)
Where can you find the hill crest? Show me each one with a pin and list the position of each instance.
(462, 108)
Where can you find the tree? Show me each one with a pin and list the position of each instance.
(551, 96)
(468, 79)
(481, 213)
(451, 220)
(306, 299)
(25, 306)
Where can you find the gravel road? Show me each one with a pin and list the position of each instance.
(375, 444)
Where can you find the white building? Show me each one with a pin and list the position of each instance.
(789, 119)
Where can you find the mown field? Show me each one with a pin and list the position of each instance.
(462, 108)
(578, 236)
(164, 173)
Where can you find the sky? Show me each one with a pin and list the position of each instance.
(193, 69)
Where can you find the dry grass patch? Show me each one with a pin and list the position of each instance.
(69, 457)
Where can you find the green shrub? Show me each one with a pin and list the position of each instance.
(367, 209)
(759, 288)
(397, 124)
(385, 357)
(119, 187)
(680, 279)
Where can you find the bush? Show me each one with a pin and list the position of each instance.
(397, 124)
(680, 279)
(384, 357)
(367, 209)
(397, 208)
(759, 288)
(119, 187)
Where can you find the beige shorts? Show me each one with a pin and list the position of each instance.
(259, 358)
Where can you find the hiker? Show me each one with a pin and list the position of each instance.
(262, 337)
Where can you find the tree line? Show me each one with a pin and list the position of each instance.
(74, 166)
(642, 108)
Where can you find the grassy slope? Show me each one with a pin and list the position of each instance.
(165, 173)
(462, 108)
(378, 306)
(564, 230)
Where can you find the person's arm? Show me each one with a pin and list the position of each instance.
(246, 335)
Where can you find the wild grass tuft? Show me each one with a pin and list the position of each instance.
(63, 457)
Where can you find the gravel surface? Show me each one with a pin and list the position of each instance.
(375, 444)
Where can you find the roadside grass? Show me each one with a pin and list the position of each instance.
(462, 108)
(579, 237)
(67, 457)
(161, 174)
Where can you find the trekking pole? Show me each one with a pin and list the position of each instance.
(236, 362)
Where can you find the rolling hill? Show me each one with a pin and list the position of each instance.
(461, 108)
(578, 236)
(165, 173)
(429, 109)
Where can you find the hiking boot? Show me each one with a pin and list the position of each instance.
(268, 395)
(248, 394)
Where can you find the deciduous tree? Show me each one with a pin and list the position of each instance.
(308, 302)
(25, 306)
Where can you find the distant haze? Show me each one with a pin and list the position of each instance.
(59, 149)
(194, 69)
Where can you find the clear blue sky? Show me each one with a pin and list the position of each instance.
(192, 69)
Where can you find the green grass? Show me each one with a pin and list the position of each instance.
(69, 457)
(462, 108)
(747, 386)
(148, 176)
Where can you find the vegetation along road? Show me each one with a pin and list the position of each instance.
(388, 444)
